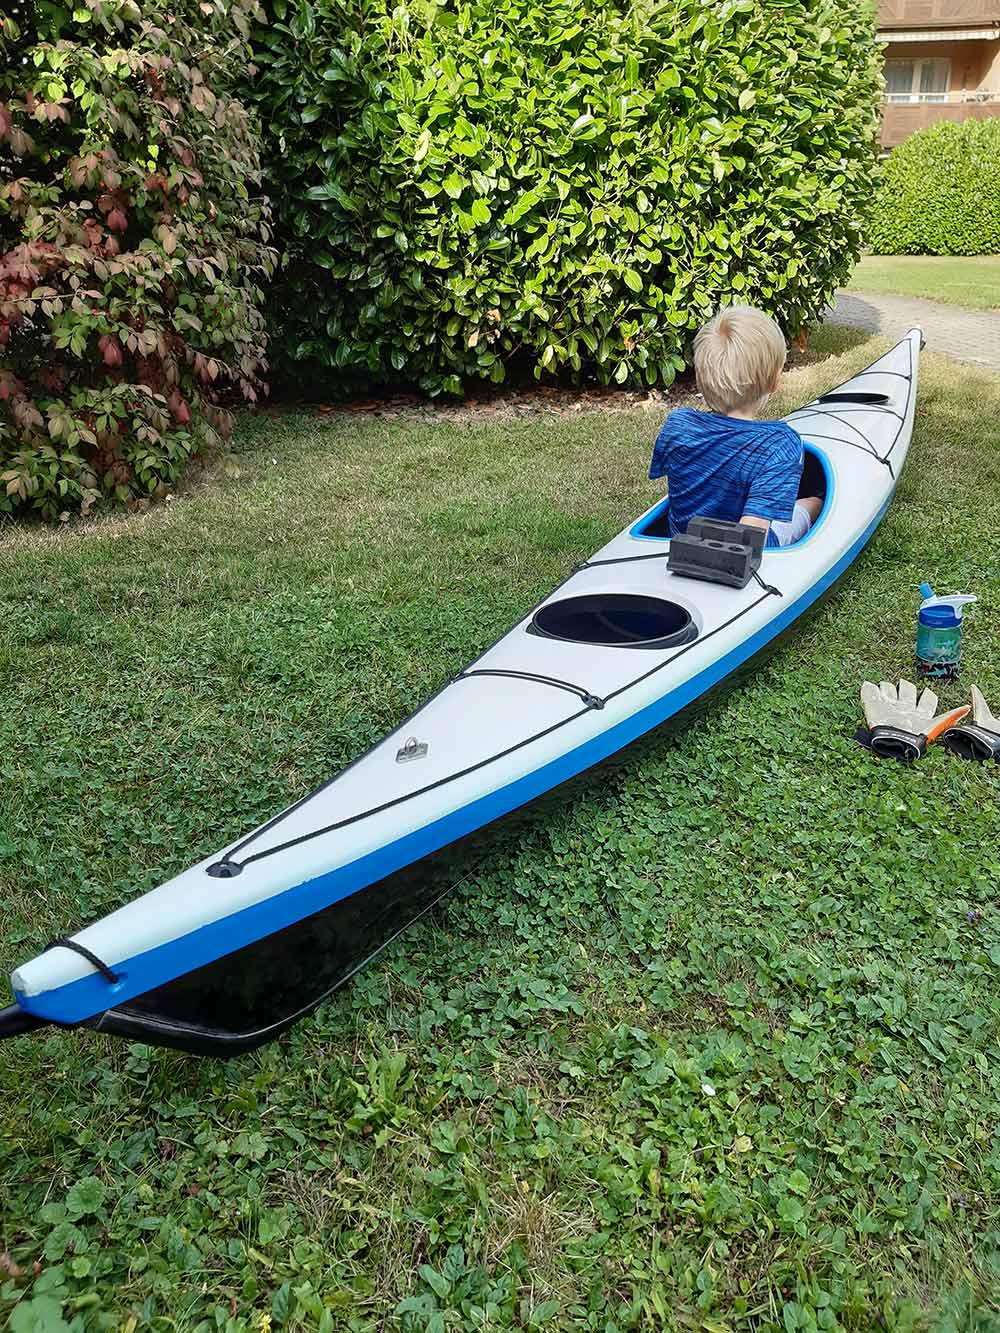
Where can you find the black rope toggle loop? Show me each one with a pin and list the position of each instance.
(768, 587)
(84, 952)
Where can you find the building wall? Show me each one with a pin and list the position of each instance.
(990, 82)
(936, 13)
(975, 63)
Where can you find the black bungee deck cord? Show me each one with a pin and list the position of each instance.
(227, 867)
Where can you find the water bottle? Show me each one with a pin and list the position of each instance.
(939, 633)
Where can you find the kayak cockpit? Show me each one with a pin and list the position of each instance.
(816, 480)
(615, 620)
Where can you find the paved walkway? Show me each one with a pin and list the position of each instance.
(967, 335)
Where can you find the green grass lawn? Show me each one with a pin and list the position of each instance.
(970, 282)
(711, 1046)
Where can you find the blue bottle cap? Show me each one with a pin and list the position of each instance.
(939, 617)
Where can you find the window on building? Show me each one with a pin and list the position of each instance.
(924, 80)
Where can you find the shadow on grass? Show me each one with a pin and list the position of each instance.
(826, 343)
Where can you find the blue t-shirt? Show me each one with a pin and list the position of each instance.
(723, 467)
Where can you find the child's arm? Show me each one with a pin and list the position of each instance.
(755, 522)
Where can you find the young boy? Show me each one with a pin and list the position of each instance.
(723, 463)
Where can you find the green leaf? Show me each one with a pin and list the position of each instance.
(85, 1198)
(454, 1263)
(454, 185)
(41, 1314)
(524, 204)
(633, 279)
(790, 1210)
(542, 1313)
(799, 1182)
(415, 1305)
(282, 1303)
(331, 190)
(438, 1283)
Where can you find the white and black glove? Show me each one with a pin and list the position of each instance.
(976, 739)
(901, 726)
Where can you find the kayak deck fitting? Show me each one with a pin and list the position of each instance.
(232, 951)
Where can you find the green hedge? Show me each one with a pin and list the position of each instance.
(941, 193)
(572, 184)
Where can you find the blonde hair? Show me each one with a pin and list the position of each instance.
(737, 356)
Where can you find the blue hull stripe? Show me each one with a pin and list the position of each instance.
(90, 995)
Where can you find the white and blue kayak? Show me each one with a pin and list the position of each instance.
(229, 953)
